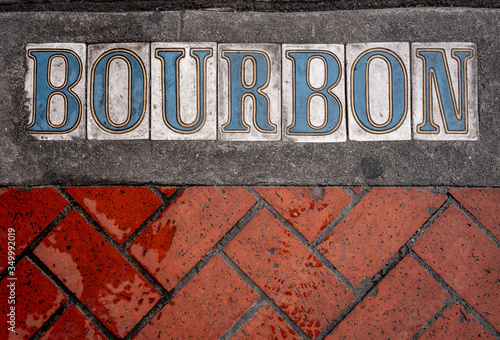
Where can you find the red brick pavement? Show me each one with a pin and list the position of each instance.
(250, 263)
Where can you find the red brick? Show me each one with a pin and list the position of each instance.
(266, 324)
(37, 298)
(484, 204)
(406, 299)
(288, 273)
(28, 212)
(119, 210)
(72, 325)
(168, 191)
(376, 228)
(308, 216)
(190, 227)
(466, 259)
(205, 308)
(456, 324)
(97, 274)
(357, 190)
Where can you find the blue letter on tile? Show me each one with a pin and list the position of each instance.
(44, 90)
(136, 91)
(303, 92)
(398, 91)
(239, 90)
(170, 84)
(436, 71)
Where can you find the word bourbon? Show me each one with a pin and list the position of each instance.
(253, 92)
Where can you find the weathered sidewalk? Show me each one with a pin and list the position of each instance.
(29, 162)
(253, 262)
(207, 239)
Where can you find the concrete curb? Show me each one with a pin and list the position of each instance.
(26, 161)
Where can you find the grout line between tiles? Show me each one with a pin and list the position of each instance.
(51, 320)
(39, 238)
(367, 286)
(364, 289)
(166, 202)
(195, 270)
(305, 242)
(263, 296)
(355, 199)
(458, 298)
(474, 220)
(433, 319)
(118, 247)
(243, 319)
(73, 299)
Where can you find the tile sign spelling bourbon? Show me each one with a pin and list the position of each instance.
(253, 92)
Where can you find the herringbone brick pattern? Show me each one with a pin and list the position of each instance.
(250, 263)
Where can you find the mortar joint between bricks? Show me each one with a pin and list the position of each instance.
(244, 318)
(164, 300)
(231, 234)
(339, 318)
(217, 248)
(366, 288)
(166, 202)
(168, 199)
(72, 298)
(51, 320)
(153, 217)
(427, 224)
(120, 248)
(457, 297)
(338, 275)
(433, 319)
(263, 295)
(39, 238)
(355, 199)
(473, 219)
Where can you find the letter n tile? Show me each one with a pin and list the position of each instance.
(444, 91)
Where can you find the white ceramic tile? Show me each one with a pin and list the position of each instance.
(313, 93)
(255, 78)
(118, 108)
(187, 108)
(378, 88)
(444, 83)
(55, 85)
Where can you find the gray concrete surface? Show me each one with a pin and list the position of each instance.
(26, 161)
(229, 5)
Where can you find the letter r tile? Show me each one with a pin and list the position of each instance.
(378, 87)
(444, 83)
(118, 91)
(313, 93)
(183, 91)
(55, 87)
(249, 97)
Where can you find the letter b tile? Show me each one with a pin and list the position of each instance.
(378, 82)
(55, 86)
(313, 93)
(249, 92)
